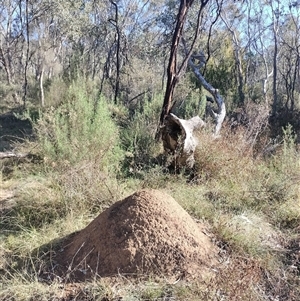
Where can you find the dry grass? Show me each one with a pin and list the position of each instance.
(249, 202)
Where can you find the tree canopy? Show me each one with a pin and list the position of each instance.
(252, 48)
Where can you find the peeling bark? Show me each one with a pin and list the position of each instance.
(178, 134)
(179, 139)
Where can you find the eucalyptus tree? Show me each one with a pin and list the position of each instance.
(33, 33)
(12, 41)
(289, 67)
(131, 46)
(176, 133)
(232, 15)
(258, 52)
(283, 17)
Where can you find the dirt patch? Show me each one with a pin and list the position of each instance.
(146, 233)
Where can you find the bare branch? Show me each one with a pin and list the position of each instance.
(4, 155)
(221, 112)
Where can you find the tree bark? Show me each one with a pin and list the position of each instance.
(179, 139)
(25, 86)
(275, 97)
(42, 87)
(275, 28)
(118, 40)
(172, 66)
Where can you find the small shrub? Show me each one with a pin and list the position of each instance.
(81, 153)
(138, 137)
(75, 132)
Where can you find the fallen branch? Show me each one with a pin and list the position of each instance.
(4, 155)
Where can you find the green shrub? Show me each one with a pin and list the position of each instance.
(138, 136)
(74, 132)
(281, 184)
(81, 152)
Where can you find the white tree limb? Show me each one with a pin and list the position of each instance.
(221, 112)
(4, 155)
(179, 139)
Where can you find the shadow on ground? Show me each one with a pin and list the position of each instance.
(12, 130)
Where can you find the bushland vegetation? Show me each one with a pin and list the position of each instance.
(80, 119)
(84, 160)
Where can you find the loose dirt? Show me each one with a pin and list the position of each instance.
(147, 233)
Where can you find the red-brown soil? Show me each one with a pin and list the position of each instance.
(146, 233)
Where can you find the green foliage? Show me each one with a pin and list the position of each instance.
(220, 68)
(74, 132)
(138, 136)
(249, 205)
(192, 105)
(289, 147)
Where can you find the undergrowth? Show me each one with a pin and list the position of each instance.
(90, 157)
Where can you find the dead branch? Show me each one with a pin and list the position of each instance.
(4, 155)
(220, 114)
(179, 139)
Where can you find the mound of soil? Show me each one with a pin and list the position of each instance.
(146, 233)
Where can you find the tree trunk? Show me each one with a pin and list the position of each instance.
(25, 86)
(172, 66)
(42, 87)
(275, 97)
(118, 41)
(275, 55)
(179, 139)
(178, 134)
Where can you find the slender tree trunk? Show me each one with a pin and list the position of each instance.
(172, 77)
(274, 89)
(118, 40)
(266, 80)
(25, 87)
(240, 76)
(275, 55)
(42, 87)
